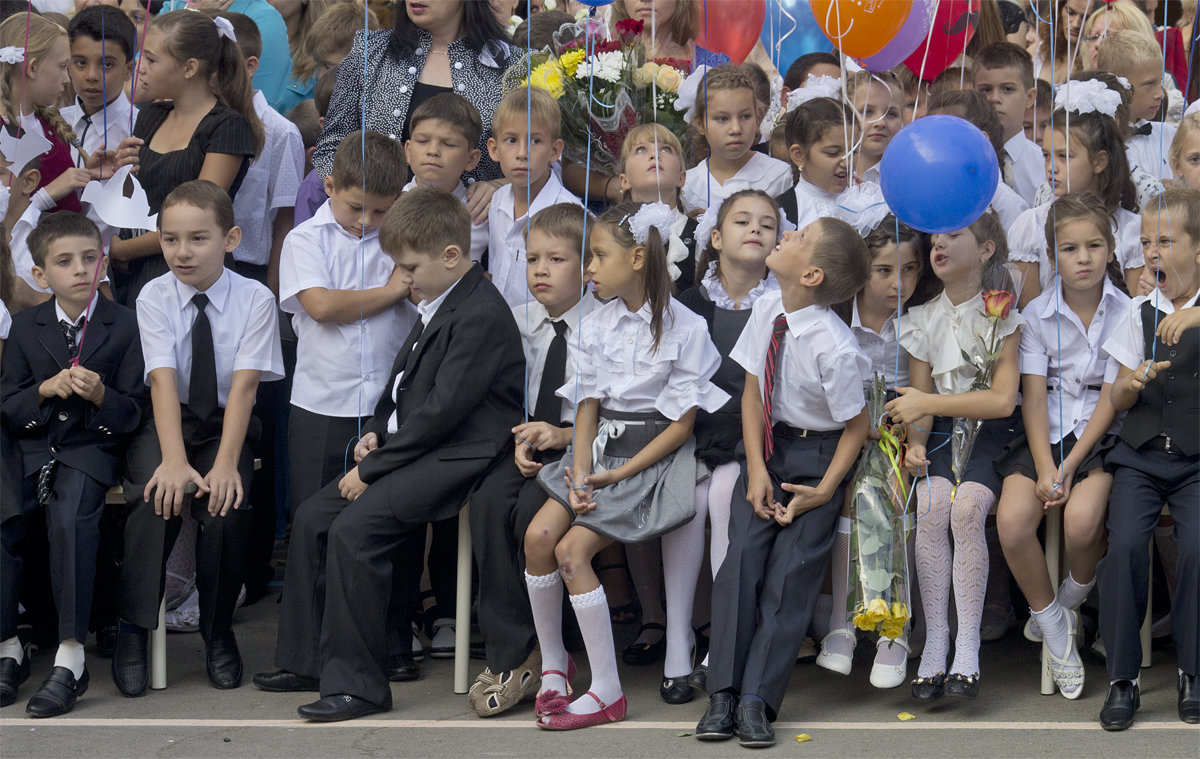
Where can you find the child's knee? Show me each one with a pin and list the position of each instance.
(570, 558)
(539, 543)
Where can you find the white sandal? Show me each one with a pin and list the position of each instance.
(840, 663)
(890, 675)
(1067, 672)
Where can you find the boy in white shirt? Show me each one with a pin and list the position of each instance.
(526, 141)
(349, 309)
(804, 419)
(1004, 74)
(1137, 58)
(443, 133)
(103, 42)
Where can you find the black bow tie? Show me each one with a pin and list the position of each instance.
(1144, 129)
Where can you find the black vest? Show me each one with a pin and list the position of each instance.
(1170, 404)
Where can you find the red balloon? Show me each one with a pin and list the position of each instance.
(953, 27)
(731, 26)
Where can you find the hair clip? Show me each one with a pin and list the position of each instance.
(12, 54)
(689, 90)
(657, 215)
(1090, 96)
(225, 28)
(814, 87)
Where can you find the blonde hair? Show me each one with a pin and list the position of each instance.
(327, 33)
(686, 22)
(727, 77)
(43, 35)
(1122, 51)
(1126, 14)
(531, 103)
(425, 220)
(1183, 207)
(863, 79)
(651, 132)
(1188, 127)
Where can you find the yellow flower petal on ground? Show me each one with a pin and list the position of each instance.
(906, 717)
(803, 737)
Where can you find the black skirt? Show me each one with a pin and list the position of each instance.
(1016, 458)
(993, 436)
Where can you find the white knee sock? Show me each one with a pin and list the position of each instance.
(545, 600)
(1055, 627)
(840, 580)
(12, 649)
(683, 555)
(933, 570)
(591, 610)
(720, 499)
(969, 514)
(1071, 594)
(70, 655)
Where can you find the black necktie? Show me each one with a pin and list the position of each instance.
(1144, 130)
(87, 124)
(70, 331)
(554, 373)
(202, 388)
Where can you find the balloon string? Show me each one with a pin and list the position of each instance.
(87, 317)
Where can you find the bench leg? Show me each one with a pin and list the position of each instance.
(462, 605)
(158, 649)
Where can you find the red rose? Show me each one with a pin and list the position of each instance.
(998, 303)
(629, 28)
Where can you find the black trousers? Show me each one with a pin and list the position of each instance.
(73, 532)
(341, 570)
(1142, 481)
(501, 509)
(320, 450)
(765, 592)
(221, 542)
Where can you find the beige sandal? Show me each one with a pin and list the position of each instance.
(493, 694)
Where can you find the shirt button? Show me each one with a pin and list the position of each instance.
(412, 69)
(419, 51)
(1172, 354)
(462, 87)
(397, 113)
(392, 136)
(458, 64)
(403, 88)
(63, 416)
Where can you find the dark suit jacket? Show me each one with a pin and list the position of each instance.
(73, 430)
(461, 393)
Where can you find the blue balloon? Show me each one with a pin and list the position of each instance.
(596, 3)
(939, 174)
(793, 43)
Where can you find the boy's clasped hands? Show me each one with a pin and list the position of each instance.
(74, 380)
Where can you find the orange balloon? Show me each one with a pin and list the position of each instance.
(860, 28)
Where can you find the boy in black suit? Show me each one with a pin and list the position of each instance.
(446, 413)
(72, 391)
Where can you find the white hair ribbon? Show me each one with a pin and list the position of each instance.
(657, 215)
(225, 28)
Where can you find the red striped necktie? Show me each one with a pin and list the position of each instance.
(769, 380)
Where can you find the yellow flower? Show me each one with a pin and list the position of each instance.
(877, 610)
(862, 623)
(900, 612)
(570, 61)
(548, 76)
(892, 629)
(645, 75)
(668, 78)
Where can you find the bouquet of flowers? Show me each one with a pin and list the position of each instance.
(604, 87)
(878, 595)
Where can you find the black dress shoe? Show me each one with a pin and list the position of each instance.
(699, 677)
(1122, 701)
(962, 686)
(106, 641)
(402, 668)
(130, 668)
(640, 654)
(338, 708)
(282, 681)
(223, 661)
(753, 728)
(1189, 699)
(717, 722)
(929, 688)
(675, 690)
(11, 677)
(58, 693)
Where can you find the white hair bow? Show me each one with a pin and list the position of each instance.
(685, 96)
(657, 215)
(814, 87)
(12, 54)
(1088, 96)
(225, 28)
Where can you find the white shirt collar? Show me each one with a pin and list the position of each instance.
(459, 191)
(721, 298)
(117, 111)
(1050, 306)
(62, 315)
(547, 197)
(427, 308)
(217, 294)
(856, 322)
(802, 320)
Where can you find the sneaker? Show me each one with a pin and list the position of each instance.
(442, 645)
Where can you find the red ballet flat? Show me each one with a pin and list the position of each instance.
(551, 701)
(568, 721)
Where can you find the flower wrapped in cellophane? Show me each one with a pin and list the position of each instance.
(604, 87)
(878, 598)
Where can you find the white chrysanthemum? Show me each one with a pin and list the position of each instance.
(607, 66)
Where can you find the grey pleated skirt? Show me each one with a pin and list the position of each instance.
(651, 503)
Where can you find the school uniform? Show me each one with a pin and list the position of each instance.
(66, 449)
(341, 369)
(888, 358)
(505, 501)
(1027, 241)
(938, 332)
(108, 126)
(1007, 204)
(801, 205)
(479, 232)
(641, 389)
(506, 236)
(1146, 184)
(1149, 147)
(1024, 166)
(681, 250)
(1056, 345)
(453, 395)
(270, 184)
(245, 336)
(765, 591)
(761, 172)
(1157, 459)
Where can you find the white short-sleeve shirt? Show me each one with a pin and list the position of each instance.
(1151, 151)
(616, 362)
(341, 369)
(882, 348)
(1056, 345)
(761, 172)
(479, 232)
(1008, 205)
(109, 125)
(938, 332)
(537, 331)
(19, 244)
(244, 322)
(1027, 241)
(1029, 165)
(506, 237)
(820, 378)
(271, 182)
(1126, 346)
(809, 200)
(5, 321)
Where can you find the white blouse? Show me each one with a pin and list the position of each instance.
(1027, 241)
(616, 362)
(1055, 345)
(883, 348)
(938, 332)
(761, 172)
(721, 299)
